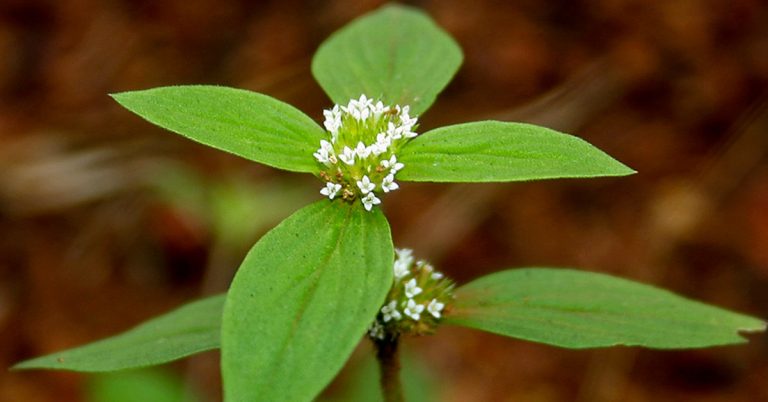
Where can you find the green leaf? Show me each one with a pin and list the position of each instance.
(151, 385)
(575, 309)
(302, 300)
(490, 151)
(245, 123)
(396, 54)
(190, 329)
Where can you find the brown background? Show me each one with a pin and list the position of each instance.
(675, 89)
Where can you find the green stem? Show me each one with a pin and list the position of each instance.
(389, 365)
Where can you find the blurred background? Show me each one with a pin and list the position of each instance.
(106, 220)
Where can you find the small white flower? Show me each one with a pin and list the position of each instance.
(369, 201)
(390, 312)
(325, 153)
(332, 119)
(365, 185)
(384, 138)
(404, 254)
(348, 156)
(322, 156)
(403, 262)
(435, 307)
(383, 141)
(437, 275)
(400, 269)
(392, 164)
(394, 131)
(362, 151)
(332, 126)
(406, 119)
(413, 310)
(377, 149)
(388, 184)
(378, 109)
(411, 289)
(330, 190)
(361, 113)
(364, 101)
(359, 109)
(376, 330)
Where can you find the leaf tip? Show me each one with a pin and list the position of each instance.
(25, 365)
(758, 327)
(624, 170)
(119, 97)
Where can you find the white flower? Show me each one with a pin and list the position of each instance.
(322, 156)
(377, 149)
(390, 312)
(383, 141)
(362, 151)
(369, 201)
(330, 190)
(326, 153)
(404, 254)
(403, 262)
(376, 330)
(365, 185)
(348, 156)
(411, 289)
(354, 153)
(413, 310)
(407, 133)
(435, 307)
(406, 121)
(394, 131)
(437, 275)
(378, 109)
(359, 109)
(392, 164)
(401, 269)
(388, 184)
(332, 120)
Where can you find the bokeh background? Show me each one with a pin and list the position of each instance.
(106, 220)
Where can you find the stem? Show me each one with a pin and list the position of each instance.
(389, 365)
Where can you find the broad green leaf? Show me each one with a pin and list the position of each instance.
(190, 329)
(150, 385)
(396, 54)
(492, 151)
(302, 300)
(245, 123)
(575, 309)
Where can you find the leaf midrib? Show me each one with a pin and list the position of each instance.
(312, 289)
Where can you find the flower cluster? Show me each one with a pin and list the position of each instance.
(416, 302)
(359, 158)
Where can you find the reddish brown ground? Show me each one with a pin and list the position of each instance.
(675, 89)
